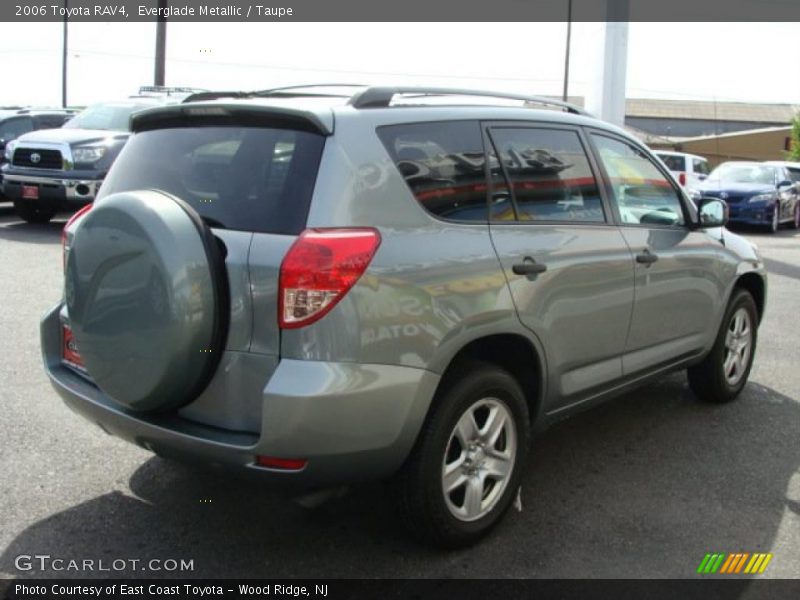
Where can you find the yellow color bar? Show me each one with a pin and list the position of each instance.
(765, 563)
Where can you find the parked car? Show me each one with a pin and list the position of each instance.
(17, 122)
(319, 290)
(53, 169)
(689, 169)
(764, 194)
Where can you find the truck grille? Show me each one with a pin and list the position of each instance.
(40, 159)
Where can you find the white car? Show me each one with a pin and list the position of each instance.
(689, 169)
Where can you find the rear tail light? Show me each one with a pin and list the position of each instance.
(682, 178)
(319, 269)
(65, 236)
(69, 351)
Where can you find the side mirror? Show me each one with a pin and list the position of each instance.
(702, 176)
(785, 183)
(712, 212)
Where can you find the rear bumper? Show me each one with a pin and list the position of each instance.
(351, 422)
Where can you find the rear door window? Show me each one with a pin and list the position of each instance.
(244, 178)
(443, 165)
(549, 173)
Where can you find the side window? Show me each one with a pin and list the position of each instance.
(549, 176)
(794, 174)
(443, 164)
(13, 128)
(673, 162)
(643, 195)
(700, 166)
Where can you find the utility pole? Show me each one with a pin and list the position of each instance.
(566, 54)
(64, 60)
(161, 44)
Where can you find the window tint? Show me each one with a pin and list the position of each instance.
(246, 178)
(674, 163)
(549, 174)
(700, 166)
(443, 164)
(642, 193)
(13, 128)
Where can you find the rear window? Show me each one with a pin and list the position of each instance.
(245, 178)
(443, 164)
(674, 163)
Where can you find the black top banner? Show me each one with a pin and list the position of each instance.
(400, 10)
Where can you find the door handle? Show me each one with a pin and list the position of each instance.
(528, 267)
(646, 257)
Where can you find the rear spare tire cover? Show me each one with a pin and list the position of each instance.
(147, 299)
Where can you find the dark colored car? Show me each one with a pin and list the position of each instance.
(764, 194)
(17, 122)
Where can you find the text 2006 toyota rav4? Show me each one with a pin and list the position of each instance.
(319, 290)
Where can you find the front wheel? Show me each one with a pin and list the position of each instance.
(723, 373)
(776, 222)
(796, 220)
(466, 467)
(33, 212)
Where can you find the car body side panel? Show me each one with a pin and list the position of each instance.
(678, 297)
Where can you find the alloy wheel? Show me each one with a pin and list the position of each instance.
(479, 459)
(738, 347)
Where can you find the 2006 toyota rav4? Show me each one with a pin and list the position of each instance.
(320, 290)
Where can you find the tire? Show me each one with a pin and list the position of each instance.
(796, 221)
(714, 380)
(486, 392)
(776, 220)
(33, 213)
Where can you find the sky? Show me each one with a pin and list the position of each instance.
(748, 62)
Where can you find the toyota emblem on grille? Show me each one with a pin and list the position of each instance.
(36, 158)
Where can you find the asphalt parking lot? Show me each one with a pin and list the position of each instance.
(643, 486)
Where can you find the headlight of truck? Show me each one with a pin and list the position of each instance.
(88, 154)
(9, 151)
(761, 198)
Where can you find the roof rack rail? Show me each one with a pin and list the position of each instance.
(289, 89)
(381, 97)
(163, 89)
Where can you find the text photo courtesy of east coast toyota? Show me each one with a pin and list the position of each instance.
(313, 301)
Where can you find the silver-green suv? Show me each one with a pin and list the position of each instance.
(318, 287)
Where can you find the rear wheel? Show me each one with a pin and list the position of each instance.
(33, 212)
(796, 221)
(724, 372)
(466, 467)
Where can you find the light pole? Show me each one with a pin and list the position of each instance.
(566, 54)
(161, 44)
(64, 60)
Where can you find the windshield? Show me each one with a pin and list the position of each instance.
(743, 173)
(107, 116)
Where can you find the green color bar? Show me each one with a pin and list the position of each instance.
(703, 564)
(718, 563)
